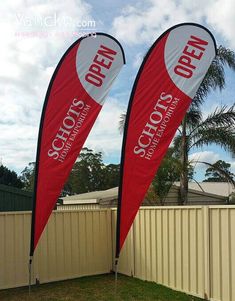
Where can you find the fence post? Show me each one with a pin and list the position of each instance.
(206, 226)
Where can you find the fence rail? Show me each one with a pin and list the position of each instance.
(190, 249)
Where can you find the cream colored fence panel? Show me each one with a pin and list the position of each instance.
(168, 247)
(126, 263)
(74, 244)
(222, 253)
(14, 249)
(190, 249)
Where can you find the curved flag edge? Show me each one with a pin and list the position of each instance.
(127, 124)
(42, 122)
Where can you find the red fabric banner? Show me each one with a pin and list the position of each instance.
(167, 81)
(74, 99)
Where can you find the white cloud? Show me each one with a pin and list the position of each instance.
(18, 145)
(31, 47)
(138, 60)
(105, 135)
(204, 156)
(145, 21)
(221, 16)
(209, 157)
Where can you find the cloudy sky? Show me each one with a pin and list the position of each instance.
(36, 34)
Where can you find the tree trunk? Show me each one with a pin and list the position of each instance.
(184, 163)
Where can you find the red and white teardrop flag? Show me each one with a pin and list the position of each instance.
(167, 81)
(73, 101)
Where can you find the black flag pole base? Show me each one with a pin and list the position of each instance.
(116, 273)
(30, 271)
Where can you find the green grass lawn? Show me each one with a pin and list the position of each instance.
(97, 288)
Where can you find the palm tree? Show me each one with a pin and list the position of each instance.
(217, 128)
(212, 129)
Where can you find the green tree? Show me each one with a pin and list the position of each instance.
(87, 173)
(111, 175)
(27, 176)
(219, 172)
(9, 177)
(168, 172)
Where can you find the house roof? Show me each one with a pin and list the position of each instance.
(14, 199)
(218, 188)
(91, 197)
(14, 190)
(213, 189)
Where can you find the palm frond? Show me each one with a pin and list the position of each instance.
(221, 117)
(228, 176)
(199, 185)
(219, 135)
(215, 76)
(226, 56)
(177, 145)
(194, 117)
(122, 122)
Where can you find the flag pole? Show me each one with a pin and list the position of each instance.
(116, 268)
(30, 272)
(116, 274)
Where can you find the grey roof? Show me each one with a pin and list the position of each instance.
(218, 188)
(91, 197)
(205, 188)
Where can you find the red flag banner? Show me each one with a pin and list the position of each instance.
(166, 83)
(73, 101)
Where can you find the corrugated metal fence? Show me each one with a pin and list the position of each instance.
(74, 244)
(191, 249)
